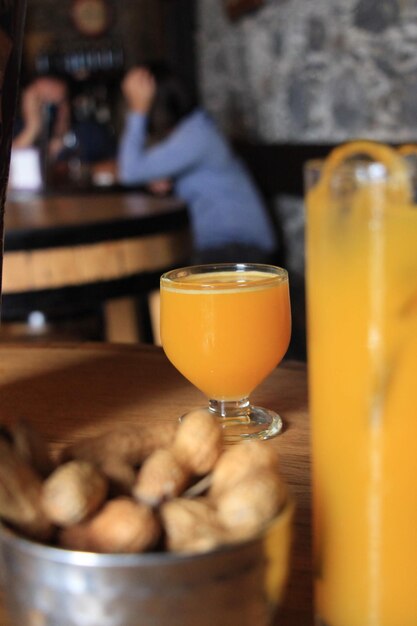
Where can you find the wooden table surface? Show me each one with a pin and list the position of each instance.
(77, 390)
(34, 213)
(62, 240)
(67, 253)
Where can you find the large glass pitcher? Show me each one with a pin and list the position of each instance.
(362, 361)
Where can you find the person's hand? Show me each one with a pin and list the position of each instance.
(138, 88)
(41, 92)
(51, 90)
(31, 110)
(160, 187)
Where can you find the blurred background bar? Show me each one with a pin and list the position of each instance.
(285, 81)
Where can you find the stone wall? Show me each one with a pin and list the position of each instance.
(311, 71)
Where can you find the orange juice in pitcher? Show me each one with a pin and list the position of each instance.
(362, 352)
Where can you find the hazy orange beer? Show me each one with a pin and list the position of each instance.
(225, 327)
(226, 332)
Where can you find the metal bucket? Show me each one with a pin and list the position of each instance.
(239, 584)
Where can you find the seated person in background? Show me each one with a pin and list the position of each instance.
(46, 117)
(167, 137)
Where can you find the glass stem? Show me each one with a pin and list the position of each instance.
(232, 411)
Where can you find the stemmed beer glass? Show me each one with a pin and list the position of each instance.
(225, 327)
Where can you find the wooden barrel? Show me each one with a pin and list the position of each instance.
(64, 254)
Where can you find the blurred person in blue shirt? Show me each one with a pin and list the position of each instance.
(167, 139)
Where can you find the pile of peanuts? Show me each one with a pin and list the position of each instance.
(164, 487)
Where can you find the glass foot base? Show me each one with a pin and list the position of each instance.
(257, 423)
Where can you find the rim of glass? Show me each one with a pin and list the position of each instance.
(376, 168)
(357, 169)
(177, 276)
(359, 162)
